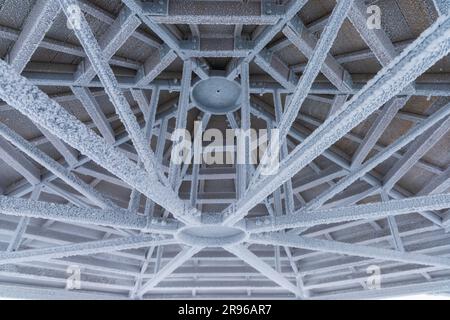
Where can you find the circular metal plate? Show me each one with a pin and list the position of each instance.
(217, 95)
(211, 236)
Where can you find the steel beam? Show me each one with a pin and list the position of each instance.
(117, 218)
(253, 260)
(36, 26)
(114, 38)
(318, 58)
(416, 59)
(35, 104)
(95, 112)
(372, 211)
(88, 248)
(294, 241)
(170, 267)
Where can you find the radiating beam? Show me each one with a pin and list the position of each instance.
(253, 260)
(14, 159)
(382, 156)
(53, 166)
(372, 211)
(102, 68)
(442, 6)
(170, 267)
(16, 240)
(87, 248)
(72, 214)
(376, 130)
(317, 59)
(306, 42)
(294, 241)
(154, 65)
(432, 287)
(69, 154)
(416, 59)
(113, 39)
(415, 151)
(199, 66)
(95, 112)
(266, 36)
(36, 26)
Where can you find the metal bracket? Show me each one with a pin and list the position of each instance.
(267, 55)
(297, 25)
(155, 7)
(272, 7)
(242, 43)
(190, 44)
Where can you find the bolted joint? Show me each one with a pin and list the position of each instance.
(272, 7)
(243, 43)
(155, 7)
(190, 44)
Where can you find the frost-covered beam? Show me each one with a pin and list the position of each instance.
(432, 287)
(13, 158)
(442, 6)
(200, 67)
(257, 263)
(36, 26)
(36, 293)
(114, 38)
(438, 184)
(376, 130)
(431, 46)
(377, 40)
(415, 151)
(84, 95)
(266, 36)
(32, 102)
(242, 172)
(305, 41)
(382, 156)
(208, 12)
(277, 69)
(316, 60)
(86, 248)
(433, 88)
(168, 269)
(21, 228)
(106, 75)
(47, 162)
(117, 218)
(69, 154)
(181, 122)
(154, 65)
(371, 211)
(336, 247)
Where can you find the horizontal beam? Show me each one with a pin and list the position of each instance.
(86, 248)
(329, 246)
(372, 211)
(116, 218)
(208, 12)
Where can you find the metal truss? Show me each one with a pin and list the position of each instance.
(87, 159)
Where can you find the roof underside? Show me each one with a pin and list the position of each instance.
(74, 198)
